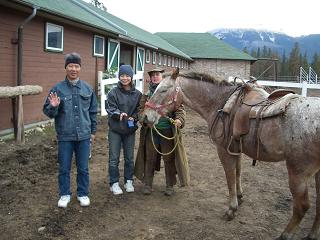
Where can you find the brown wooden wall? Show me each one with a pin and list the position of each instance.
(40, 67)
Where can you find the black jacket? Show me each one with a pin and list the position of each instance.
(118, 101)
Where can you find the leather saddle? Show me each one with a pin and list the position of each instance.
(250, 101)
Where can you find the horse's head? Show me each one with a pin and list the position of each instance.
(164, 100)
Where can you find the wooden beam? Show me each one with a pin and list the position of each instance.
(9, 92)
(20, 131)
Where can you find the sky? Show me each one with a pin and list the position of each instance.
(295, 18)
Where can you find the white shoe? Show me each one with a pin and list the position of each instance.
(129, 186)
(84, 201)
(115, 189)
(63, 201)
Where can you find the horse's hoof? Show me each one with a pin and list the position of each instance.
(240, 200)
(229, 215)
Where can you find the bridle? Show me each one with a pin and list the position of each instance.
(159, 107)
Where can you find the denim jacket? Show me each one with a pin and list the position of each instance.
(75, 117)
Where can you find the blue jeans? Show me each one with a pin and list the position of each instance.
(65, 152)
(117, 140)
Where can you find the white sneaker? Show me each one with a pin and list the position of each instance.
(129, 186)
(115, 189)
(84, 201)
(63, 201)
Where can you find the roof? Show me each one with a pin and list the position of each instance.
(203, 45)
(87, 14)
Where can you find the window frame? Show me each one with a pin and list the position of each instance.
(53, 49)
(148, 56)
(154, 57)
(94, 46)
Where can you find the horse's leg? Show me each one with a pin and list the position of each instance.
(238, 179)
(229, 164)
(299, 190)
(316, 224)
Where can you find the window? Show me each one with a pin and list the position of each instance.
(164, 60)
(54, 37)
(177, 62)
(148, 56)
(113, 54)
(169, 61)
(172, 63)
(159, 59)
(140, 60)
(98, 46)
(154, 57)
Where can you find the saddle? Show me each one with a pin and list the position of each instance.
(251, 101)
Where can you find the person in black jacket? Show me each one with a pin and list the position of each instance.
(122, 108)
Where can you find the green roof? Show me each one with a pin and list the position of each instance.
(204, 45)
(87, 14)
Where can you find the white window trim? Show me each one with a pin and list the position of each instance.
(154, 57)
(139, 58)
(159, 56)
(164, 60)
(148, 56)
(94, 46)
(114, 54)
(52, 48)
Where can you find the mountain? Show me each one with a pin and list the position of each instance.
(280, 42)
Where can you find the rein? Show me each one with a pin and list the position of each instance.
(175, 137)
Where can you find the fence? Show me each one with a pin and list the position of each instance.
(104, 86)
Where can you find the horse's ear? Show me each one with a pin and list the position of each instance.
(175, 74)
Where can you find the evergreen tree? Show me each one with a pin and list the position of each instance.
(253, 53)
(245, 50)
(315, 64)
(264, 51)
(98, 4)
(294, 61)
(304, 61)
(284, 65)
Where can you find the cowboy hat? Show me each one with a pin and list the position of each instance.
(155, 70)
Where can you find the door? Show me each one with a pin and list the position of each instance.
(139, 68)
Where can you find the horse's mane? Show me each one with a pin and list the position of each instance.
(203, 77)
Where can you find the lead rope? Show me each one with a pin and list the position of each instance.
(175, 137)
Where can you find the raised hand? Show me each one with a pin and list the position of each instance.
(54, 99)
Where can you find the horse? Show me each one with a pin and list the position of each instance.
(293, 136)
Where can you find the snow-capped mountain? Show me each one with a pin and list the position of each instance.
(252, 39)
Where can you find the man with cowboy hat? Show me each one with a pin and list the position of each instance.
(148, 159)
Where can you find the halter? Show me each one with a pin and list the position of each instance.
(159, 108)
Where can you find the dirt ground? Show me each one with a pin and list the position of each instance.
(29, 195)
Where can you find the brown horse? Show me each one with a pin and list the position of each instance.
(293, 136)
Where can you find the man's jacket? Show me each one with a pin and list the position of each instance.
(75, 117)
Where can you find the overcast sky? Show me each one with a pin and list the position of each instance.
(294, 17)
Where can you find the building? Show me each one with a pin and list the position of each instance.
(211, 55)
(50, 29)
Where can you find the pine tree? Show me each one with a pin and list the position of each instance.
(245, 50)
(284, 65)
(294, 61)
(98, 4)
(315, 64)
(304, 61)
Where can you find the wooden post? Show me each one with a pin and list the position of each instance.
(20, 132)
(16, 93)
